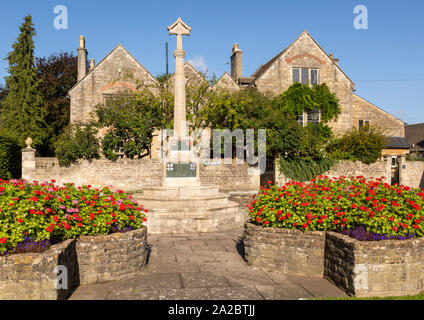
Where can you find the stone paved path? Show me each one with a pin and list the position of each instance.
(205, 267)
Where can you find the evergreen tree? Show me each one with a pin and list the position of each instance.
(22, 110)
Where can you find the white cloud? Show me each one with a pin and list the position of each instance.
(198, 62)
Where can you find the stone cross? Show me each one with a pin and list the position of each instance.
(179, 28)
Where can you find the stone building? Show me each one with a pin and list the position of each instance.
(303, 61)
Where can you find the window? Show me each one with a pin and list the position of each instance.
(364, 124)
(305, 76)
(394, 161)
(296, 75)
(309, 117)
(314, 116)
(300, 120)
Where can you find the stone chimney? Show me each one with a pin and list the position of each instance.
(92, 64)
(236, 63)
(82, 59)
(336, 61)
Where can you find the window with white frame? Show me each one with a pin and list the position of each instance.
(305, 76)
(394, 162)
(311, 116)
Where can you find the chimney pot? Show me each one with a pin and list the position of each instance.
(82, 42)
(92, 64)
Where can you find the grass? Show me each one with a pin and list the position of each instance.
(415, 297)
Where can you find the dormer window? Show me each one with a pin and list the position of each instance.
(305, 76)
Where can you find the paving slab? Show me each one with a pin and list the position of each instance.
(235, 293)
(283, 292)
(203, 280)
(205, 266)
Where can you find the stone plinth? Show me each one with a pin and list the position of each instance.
(190, 209)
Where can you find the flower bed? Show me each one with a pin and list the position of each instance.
(339, 204)
(93, 233)
(45, 211)
(372, 234)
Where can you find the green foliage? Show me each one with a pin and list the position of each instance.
(77, 143)
(299, 98)
(22, 110)
(304, 169)
(45, 211)
(58, 74)
(131, 121)
(363, 145)
(10, 157)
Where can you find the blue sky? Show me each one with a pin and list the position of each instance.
(385, 62)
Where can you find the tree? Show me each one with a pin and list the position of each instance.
(77, 142)
(130, 122)
(363, 144)
(58, 74)
(22, 109)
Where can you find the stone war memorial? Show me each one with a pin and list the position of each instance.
(182, 204)
(173, 226)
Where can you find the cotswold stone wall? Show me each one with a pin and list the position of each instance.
(349, 169)
(111, 257)
(374, 268)
(411, 173)
(132, 175)
(286, 251)
(123, 174)
(32, 276)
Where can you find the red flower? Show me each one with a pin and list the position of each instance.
(80, 224)
(122, 207)
(3, 240)
(20, 220)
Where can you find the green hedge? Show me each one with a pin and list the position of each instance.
(10, 158)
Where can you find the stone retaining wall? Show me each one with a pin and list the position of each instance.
(132, 174)
(111, 257)
(32, 276)
(374, 268)
(349, 169)
(285, 251)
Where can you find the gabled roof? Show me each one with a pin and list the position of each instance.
(389, 114)
(225, 75)
(263, 68)
(109, 54)
(195, 70)
(414, 133)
